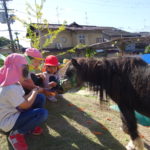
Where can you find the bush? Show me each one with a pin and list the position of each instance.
(147, 49)
(1, 63)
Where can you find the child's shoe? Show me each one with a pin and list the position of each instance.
(37, 131)
(52, 98)
(17, 141)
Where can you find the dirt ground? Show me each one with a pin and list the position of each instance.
(77, 122)
(143, 130)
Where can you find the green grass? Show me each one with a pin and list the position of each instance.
(71, 124)
(1, 63)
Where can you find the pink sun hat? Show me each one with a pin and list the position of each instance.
(11, 71)
(35, 53)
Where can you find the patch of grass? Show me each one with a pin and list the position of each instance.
(1, 63)
(77, 123)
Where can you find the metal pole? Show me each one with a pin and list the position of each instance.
(8, 24)
(17, 39)
(38, 29)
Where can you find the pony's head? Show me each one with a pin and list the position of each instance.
(70, 76)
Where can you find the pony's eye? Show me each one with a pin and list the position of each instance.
(69, 73)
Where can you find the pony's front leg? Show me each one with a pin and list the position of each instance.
(136, 144)
(130, 127)
(132, 144)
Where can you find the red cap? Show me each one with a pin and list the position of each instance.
(51, 60)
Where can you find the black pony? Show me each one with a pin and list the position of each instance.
(125, 79)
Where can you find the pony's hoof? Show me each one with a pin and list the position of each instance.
(135, 145)
(130, 146)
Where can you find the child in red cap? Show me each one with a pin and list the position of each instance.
(50, 76)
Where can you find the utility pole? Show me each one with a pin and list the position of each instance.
(38, 24)
(8, 24)
(86, 18)
(17, 39)
(57, 13)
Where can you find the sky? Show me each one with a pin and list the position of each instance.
(128, 15)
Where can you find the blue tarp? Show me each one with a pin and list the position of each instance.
(145, 57)
(141, 119)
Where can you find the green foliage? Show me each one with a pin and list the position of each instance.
(34, 29)
(90, 52)
(73, 50)
(4, 42)
(147, 49)
(1, 63)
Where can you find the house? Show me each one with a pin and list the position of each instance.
(5, 51)
(144, 34)
(75, 34)
(110, 33)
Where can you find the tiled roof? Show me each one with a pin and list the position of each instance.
(75, 27)
(110, 31)
(117, 32)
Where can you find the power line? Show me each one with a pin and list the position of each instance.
(20, 11)
(12, 31)
(113, 4)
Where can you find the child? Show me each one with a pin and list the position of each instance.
(65, 61)
(19, 114)
(34, 58)
(50, 76)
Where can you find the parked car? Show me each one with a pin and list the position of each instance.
(100, 50)
(101, 53)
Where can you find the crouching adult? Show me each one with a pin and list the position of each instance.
(19, 114)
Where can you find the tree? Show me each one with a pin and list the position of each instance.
(4, 42)
(147, 49)
(33, 29)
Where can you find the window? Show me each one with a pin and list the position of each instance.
(63, 39)
(58, 45)
(99, 40)
(49, 36)
(82, 39)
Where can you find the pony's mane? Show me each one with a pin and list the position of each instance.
(100, 73)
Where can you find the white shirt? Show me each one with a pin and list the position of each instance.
(10, 97)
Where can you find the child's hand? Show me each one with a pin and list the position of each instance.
(52, 84)
(35, 90)
(38, 89)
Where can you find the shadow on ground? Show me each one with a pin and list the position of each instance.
(68, 136)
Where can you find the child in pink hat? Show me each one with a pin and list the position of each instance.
(34, 58)
(19, 114)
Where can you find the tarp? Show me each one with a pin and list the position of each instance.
(141, 119)
(145, 57)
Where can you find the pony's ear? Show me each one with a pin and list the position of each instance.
(75, 63)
